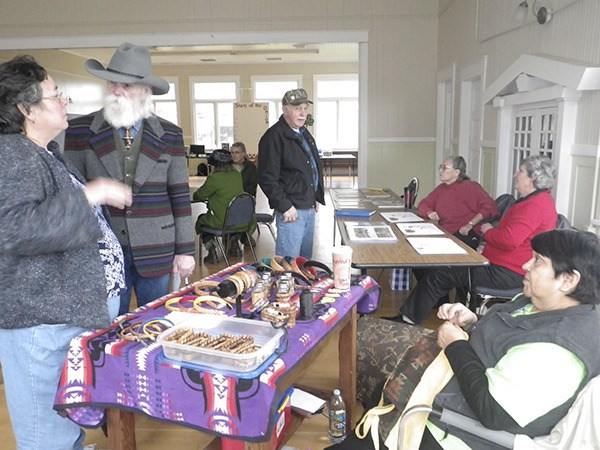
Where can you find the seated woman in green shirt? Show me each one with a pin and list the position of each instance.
(221, 186)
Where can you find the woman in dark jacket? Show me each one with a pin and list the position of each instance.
(59, 261)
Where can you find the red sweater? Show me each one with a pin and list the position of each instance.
(457, 203)
(509, 245)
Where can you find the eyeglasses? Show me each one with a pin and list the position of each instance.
(59, 96)
(444, 167)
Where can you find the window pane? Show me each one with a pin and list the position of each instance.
(225, 123)
(214, 91)
(269, 90)
(348, 123)
(337, 88)
(205, 125)
(167, 110)
(326, 124)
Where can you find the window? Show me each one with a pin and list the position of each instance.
(533, 133)
(336, 111)
(270, 89)
(213, 111)
(165, 105)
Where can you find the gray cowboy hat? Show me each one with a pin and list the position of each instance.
(130, 64)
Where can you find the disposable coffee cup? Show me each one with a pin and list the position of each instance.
(342, 261)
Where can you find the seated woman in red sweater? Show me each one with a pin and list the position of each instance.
(507, 247)
(458, 204)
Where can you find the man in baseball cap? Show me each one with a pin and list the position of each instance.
(126, 141)
(291, 176)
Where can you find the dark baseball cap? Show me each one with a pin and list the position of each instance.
(295, 97)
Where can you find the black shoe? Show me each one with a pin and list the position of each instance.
(212, 257)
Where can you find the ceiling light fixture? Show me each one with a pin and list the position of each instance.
(541, 13)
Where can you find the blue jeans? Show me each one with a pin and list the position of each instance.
(32, 359)
(296, 238)
(146, 289)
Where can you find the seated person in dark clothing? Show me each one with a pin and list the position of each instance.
(522, 364)
(507, 247)
(245, 167)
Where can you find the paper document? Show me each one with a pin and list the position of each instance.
(369, 231)
(306, 402)
(419, 229)
(435, 246)
(395, 217)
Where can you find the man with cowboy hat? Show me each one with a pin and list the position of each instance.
(126, 141)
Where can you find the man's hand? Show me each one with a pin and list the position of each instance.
(290, 215)
(183, 265)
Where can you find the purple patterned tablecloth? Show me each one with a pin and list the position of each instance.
(102, 371)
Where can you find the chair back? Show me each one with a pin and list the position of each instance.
(239, 212)
(562, 223)
(503, 202)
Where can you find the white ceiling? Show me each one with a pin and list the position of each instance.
(238, 54)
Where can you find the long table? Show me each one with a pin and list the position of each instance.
(399, 253)
(345, 158)
(106, 377)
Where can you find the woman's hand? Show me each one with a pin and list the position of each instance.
(485, 227)
(457, 314)
(433, 216)
(465, 229)
(106, 191)
(448, 333)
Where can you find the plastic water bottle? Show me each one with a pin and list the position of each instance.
(337, 418)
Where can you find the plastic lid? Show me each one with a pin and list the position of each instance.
(336, 392)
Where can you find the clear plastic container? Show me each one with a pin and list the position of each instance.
(263, 333)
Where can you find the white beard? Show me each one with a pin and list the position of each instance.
(123, 113)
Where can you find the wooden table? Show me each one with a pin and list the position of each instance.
(329, 160)
(399, 253)
(121, 426)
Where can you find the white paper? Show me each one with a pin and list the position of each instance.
(306, 402)
(435, 246)
(395, 217)
(369, 231)
(419, 229)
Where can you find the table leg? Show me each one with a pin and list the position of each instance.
(121, 429)
(347, 364)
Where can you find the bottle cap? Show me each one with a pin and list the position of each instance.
(336, 392)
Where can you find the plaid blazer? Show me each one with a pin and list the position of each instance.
(159, 222)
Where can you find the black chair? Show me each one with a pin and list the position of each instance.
(267, 220)
(239, 219)
(503, 202)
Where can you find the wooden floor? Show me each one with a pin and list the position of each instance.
(155, 435)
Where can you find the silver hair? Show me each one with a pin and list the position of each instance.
(541, 170)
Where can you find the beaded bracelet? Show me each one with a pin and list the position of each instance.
(153, 327)
(130, 332)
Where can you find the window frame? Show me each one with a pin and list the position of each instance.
(254, 79)
(193, 80)
(317, 98)
(157, 99)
